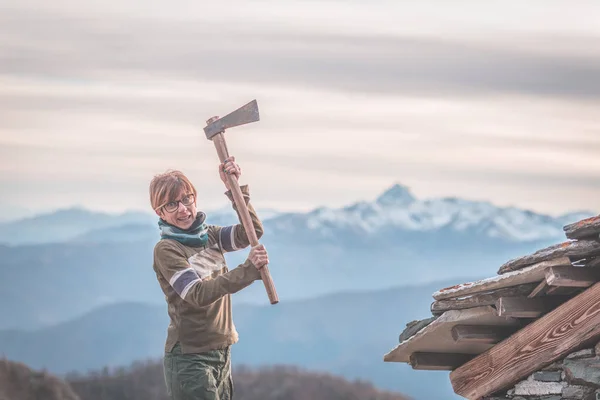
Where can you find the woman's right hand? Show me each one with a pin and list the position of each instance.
(259, 257)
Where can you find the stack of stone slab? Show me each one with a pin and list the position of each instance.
(512, 336)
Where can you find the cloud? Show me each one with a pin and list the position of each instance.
(453, 100)
(63, 47)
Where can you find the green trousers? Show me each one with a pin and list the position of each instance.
(198, 376)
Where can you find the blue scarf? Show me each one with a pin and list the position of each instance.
(195, 236)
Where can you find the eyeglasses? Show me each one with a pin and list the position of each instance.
(172, 206)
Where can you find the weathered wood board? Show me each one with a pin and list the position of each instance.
(526, 307)
(437, 336)
(534, 273)
(534, 346)
(576, 249)
(572, 276)
(583, 229)
(479, 334)
(539, 290)
(438, 361)
(480, 299)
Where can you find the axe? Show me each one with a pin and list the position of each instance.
(215, 129)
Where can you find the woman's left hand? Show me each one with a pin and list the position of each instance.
(229, 167)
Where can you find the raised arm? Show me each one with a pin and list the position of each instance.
(234, 237)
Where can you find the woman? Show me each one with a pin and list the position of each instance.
(192, 273)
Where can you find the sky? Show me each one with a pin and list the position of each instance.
(494, 101)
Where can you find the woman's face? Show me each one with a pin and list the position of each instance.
(177, 213)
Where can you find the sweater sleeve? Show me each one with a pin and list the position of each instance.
(172, 264)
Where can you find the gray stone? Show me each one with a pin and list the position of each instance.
(583, 371)
(576, 392)
(501, 395)
(551, 397)
(547, 376)
(597, 349)
(581, 354)
(535, 388)
(413, 327)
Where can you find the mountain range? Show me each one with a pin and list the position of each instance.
(395, 209)
(81, 260)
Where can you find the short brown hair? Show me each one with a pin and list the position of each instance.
(166, 187)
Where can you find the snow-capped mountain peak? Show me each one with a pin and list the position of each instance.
(398, 209)
(397, 195)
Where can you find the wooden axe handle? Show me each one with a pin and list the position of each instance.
(221, 146)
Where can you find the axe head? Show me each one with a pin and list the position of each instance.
(241, 116)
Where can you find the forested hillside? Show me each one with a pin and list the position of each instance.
(144, 381)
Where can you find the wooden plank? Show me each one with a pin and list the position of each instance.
(481, 333)
(479, 299)
(553, 290)
(563, 291)
(535, 346)
(539, 289)
(437, 337)
(534, 273)
(583, 229)
(580, 248)
(524, 307)
(438, 361)
(572, 276)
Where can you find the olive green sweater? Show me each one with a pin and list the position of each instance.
(198, 285)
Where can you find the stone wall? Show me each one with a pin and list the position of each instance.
(576, 377)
